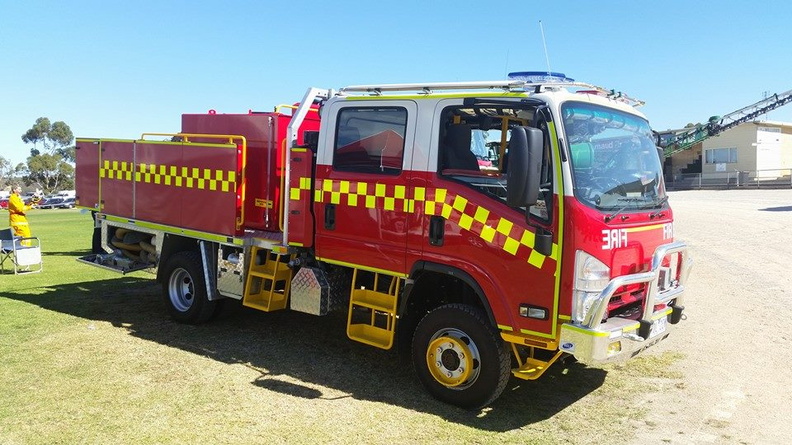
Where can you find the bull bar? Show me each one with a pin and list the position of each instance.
(594, 341)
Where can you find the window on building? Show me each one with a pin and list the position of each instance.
(370, 140)
(720, 156)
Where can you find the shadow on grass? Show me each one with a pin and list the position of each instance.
(310, 349)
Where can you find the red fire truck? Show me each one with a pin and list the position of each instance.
(492, 227)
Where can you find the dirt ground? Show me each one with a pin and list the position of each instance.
(736, 341)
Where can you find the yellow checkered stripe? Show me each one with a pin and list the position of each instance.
(170, 175)
(296, 192)
(476, 219)
(367, 195)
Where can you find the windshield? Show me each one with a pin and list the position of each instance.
(615, 163)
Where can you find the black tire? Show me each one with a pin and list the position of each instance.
(184, 290)
(459, 357)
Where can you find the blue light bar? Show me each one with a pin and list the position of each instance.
(539, 76)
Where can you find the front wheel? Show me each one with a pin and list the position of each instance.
(459, 357)
(184, 289)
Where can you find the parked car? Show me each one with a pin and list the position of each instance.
(50, 203)
(67, 203)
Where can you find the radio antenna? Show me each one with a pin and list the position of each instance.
(544, 43)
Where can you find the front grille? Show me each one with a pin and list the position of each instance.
(630, 311)
(629, 303)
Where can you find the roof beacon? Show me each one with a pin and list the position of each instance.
(540, 77)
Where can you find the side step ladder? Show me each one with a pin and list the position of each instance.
(372, 311)
(268, 280)
(531, 368)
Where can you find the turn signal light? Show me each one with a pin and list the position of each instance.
(527, 311)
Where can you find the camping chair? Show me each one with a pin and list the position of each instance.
(22, 253)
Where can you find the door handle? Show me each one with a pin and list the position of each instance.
(436, 230)
(329, 217)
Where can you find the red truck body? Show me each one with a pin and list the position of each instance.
(222, 184)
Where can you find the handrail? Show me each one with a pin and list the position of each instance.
(186, 136)
(283, 190)
(231, 138)
(277, 108)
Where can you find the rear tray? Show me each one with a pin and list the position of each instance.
(114, 262)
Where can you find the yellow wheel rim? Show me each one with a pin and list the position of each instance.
(451, 360)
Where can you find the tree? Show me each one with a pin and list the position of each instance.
(54, 137)
(50, 169)
(9, 173)
(49, 172)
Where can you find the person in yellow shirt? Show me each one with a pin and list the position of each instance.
(17, 209)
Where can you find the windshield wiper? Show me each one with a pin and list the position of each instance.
(660, 204)
(610, 217)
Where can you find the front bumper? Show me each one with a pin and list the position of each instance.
(595, 342)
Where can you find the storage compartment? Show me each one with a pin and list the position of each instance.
(265, 134)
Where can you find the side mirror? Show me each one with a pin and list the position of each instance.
(525, 165)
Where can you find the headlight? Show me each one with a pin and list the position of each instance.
(591, 277)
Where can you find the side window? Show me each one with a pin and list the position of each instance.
(470, 145)
(473, 144)
(370, 140)
(456, 148)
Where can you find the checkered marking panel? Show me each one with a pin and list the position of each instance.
(457, 209)
(170, 175)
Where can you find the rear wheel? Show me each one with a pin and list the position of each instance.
(459, 357)
(184, 289)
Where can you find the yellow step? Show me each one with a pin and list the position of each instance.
(378, 301)
(278, 276)
(260, 292)
(265, 301)
(533, 368)
(371, 335)
(374, 312)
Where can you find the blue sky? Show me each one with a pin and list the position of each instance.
(118, 69)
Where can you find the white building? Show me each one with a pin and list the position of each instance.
(759, 149)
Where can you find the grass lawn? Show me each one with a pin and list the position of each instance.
(89, 356)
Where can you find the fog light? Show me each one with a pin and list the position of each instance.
(614, 348)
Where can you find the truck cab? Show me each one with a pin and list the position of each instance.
(545, 209)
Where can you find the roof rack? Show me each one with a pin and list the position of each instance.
(429, 88)
(504, 85)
